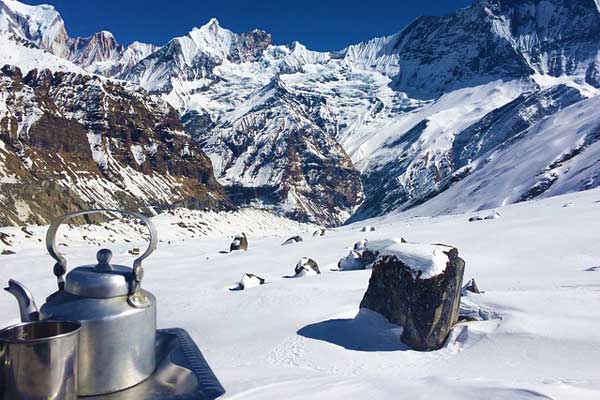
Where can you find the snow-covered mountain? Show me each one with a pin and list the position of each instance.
(44, 27)
(387, 124)
(71, 141)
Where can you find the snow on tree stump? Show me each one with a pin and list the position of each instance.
(417, 287)
(240, 242)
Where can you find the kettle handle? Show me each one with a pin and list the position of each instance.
(60, 268)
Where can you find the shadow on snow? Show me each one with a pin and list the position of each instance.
(368, 331)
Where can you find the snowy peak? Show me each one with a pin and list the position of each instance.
(490, 40)
(41, 25)
(211, 39)
(299, 56)
(136, 52)
(195, 55)
(99, 47)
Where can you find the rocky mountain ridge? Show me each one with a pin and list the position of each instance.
(44, 27)
(70, 141)
(402, 118)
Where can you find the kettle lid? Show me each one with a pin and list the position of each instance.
(102, 280)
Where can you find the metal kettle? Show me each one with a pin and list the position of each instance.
(118, 317)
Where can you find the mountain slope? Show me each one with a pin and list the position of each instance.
(71, 141)
(271, 145)
(292, 163)
(557, 155)
(395, 104)
(382, 125)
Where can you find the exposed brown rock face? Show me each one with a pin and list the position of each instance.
(70, 141)
(426, 308)
(282, 154)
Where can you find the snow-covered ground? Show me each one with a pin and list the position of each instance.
(302, 339)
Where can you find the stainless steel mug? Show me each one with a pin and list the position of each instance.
(38, 361)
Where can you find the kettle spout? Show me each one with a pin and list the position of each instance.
(29, 311)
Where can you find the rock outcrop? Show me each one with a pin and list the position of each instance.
(72, 141)
(411, 287)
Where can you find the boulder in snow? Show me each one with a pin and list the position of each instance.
(240, 242)
(417, 287)
(305, 266)
(319, 232)
(7, 252)
(293, 239)
(249, 281)
(361, 245)
(359, 258)
(5, 238)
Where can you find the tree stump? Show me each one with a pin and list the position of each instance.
(427, 308)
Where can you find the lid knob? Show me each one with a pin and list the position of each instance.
(103, 256)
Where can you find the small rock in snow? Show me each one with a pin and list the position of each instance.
(25, 231)
(361, 244)
(471, 286)
(351, 262)
(293, 239)
(494, 215)
(240, 242)
(4, 238)
(319, 232)
(305, 266)
(476, 218)
(359, 258)
(7, 252)
(367, 228)
(249, 281)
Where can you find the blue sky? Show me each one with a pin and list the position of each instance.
(319, 24)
